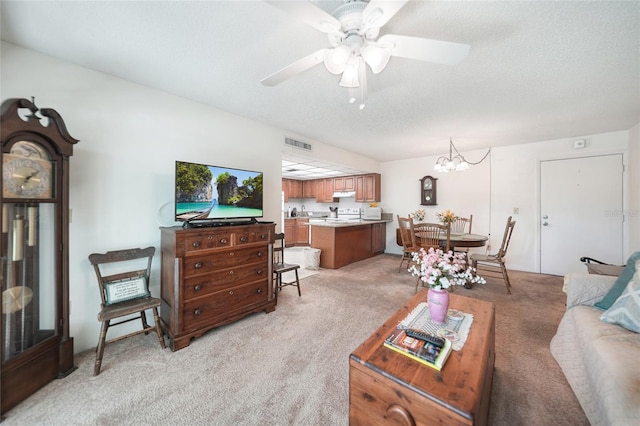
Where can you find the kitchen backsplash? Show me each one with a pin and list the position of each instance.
(322, 208)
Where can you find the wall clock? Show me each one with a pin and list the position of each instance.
(35, 346)
(428, 192)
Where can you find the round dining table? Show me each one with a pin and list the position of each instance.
(455, 240)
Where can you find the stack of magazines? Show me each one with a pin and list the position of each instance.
(432, 354)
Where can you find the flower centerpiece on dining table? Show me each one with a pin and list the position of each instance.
(440, 270)
(419, 214)
(447, 217)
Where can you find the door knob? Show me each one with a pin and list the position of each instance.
(545, 217)
(545, 223)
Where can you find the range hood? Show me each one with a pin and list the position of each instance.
(344, 194)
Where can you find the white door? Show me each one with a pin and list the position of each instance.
(581, 212)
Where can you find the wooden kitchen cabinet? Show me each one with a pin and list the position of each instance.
(290, 232)
(368, 188)
(309, 188)
(302, 232)
(344, 183)
(213, 276)
(296, 232)
(292, 188)
(325, 191)
(378, 237)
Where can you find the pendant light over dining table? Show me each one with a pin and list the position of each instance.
(455, 163)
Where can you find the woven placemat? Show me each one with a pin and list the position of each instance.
(456, 328)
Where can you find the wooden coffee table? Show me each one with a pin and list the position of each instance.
(388, 387)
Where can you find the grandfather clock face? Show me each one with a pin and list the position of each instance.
(29, 213)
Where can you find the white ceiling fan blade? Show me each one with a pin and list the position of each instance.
(378, 12)
(297, 67)
(309, 14)
(424, 49)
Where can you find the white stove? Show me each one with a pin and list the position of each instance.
(349, 214)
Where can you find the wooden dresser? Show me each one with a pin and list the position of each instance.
(386, 387)
(213, 276)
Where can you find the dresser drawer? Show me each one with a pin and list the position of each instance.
(203, 264)
(252, 236)
(202, 285)
(207, 241)
(223, 304)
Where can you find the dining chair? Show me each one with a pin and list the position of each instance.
(409, 241)
(280, 267)
(495, 263)
(124, 292)
(462, 225)
(434, 235)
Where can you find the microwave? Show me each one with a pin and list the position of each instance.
(372, 213)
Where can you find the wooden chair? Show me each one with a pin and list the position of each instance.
(124, 294)
(495, 263)
(408, 238)
(280, 267)
(433, 235)
(462, 225)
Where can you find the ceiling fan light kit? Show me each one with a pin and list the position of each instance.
(352, 30)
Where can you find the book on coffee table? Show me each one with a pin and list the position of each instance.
(419, 350)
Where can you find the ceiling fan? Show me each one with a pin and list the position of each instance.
(353, 30)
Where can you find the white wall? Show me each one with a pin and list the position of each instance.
(122, 170)
(508, 179)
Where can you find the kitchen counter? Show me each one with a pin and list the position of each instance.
(343, 242)
(337, 223)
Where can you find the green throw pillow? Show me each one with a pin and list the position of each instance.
(621, 283)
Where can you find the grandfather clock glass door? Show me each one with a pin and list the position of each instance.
(28, 276)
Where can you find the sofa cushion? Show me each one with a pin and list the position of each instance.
(620, 284)
(599, 361)
(626, 310)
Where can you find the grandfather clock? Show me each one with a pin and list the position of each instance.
(35, 347)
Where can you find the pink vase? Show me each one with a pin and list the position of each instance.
(438, 301)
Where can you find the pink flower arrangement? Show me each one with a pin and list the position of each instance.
(441, 270)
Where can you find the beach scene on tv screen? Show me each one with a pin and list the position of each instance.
(210, 192)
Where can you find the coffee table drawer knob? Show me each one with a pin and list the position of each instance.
(400, 414)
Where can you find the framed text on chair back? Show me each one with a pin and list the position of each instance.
(214, 276)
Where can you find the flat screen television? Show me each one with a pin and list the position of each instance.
(206, 193)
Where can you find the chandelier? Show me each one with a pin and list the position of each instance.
(455, 163)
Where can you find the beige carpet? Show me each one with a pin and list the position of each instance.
(290, 367)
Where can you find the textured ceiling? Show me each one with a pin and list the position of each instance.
(536, 70)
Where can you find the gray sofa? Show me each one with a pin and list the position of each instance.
(601, 361)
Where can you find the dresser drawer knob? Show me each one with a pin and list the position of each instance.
(198, 265)
(263, 236)
(259, 291)
(400, 415)
(223, 241)
(259, 271)
(197, 287)
(259, 254)
(230, 291)
(243, 239)
(196, 312)
(196, 244)
(231, 253)
(231, 272)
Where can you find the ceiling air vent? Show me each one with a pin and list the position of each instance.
(297, 144)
